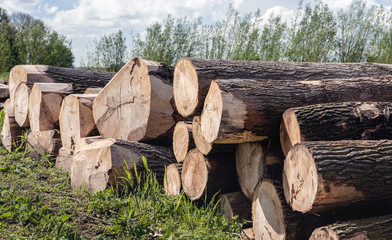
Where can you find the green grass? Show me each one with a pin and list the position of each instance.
(36, 202)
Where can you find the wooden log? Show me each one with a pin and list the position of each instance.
(84, 141)
(80, 78)
(247, 234)
(360, 229)
(93, 90)
(4, 91)
(172, 179)
(11, 132)
(64, 160)
(336, 121)
(247, 109)
(235, 205)
(321, 175)
(250, 165)
(182, 140)
(201, 144)
(76, 119)
(45, 103)
(21, 105)
(212, 174)
(192, 77)
(100, 163)
(137, 101)
(43, 143)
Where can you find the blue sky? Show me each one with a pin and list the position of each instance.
(83, 20)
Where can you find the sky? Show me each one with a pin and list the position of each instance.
(81, 21)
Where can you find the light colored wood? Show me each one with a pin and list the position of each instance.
(64, 160)
(21, 105)
(45, 103)
(84, 141)
(11, 132)
(76, 119)
(93, 90)
(201, 144)
(182, 140)
(100, 163)
(136, 104)
(250, 165)
(44, 142)
(172, 179)
(235, 205)
(248, 234)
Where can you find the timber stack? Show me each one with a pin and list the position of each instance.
(302, 150)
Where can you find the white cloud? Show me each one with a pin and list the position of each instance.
(285, 13)
(50, 10)
(25, 6)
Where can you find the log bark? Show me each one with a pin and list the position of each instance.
(11, 132)
(92, 90)
(192, 77)
(43, 143)
(136, 105)
(182, 140)
(76, 119)
(45, 103)
(210, 175)
(172, 179)
(321, 175)
(360, 229)
(250, 165)
(81, 79)
(201, 144)
(336, 121)
(235, 205)
(102, 162)
(244, 109)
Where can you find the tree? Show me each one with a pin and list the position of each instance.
(8, 56)
(272, 39)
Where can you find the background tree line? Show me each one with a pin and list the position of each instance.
(26, 40)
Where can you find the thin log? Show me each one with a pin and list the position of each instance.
(43, 143)
(336, 121)
(192, 77)
(201, 144)
(235, 205)
(21, 105)
(45, 103)
(211, 174)
(172, 179)
(11, 132)
(136, 104)
(319, 176)
(100, 163)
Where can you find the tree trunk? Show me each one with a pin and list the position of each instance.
(212, 174)
(11, 132)
(201, 144)
(76, 119)
(21, 105)
(360, 229)
(336, 121)
(182, 140)
(45, 103)
(247, 109)
(172, 179)
(235, 205)
(250, 165)
(136, 105)
(81, 79)
(102, 162)
(92, 90)
(192, 77)
(44, 142)
(321, 175)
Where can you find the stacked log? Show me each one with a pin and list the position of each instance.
(44, 142)
(11, 132)
(172, 179)
(182, 140)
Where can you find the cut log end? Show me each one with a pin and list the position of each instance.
(201, 144)
(250, 164)
(267, 215)
(180, 141)
(172, 180)
(300, 179)
(21, 105)
(194, 174)
(289, 131)
(325, 233)
(212, 113)
(185, 87)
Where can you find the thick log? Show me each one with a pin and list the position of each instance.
(92, 90)
(336, 121)
(45, 103)
(136, 104)
(21, 105)
(76, 119)
(247, 109)
(192, 77)
(360, 229)
(11, 132)
(250, 165)
(102, 162)
(43, 143)
(172, 179)
(320, 175)
(182, 140)
(235, 205)
(80, 78)
(201, 144)
(211, 174)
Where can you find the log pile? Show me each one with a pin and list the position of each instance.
(295, 147)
